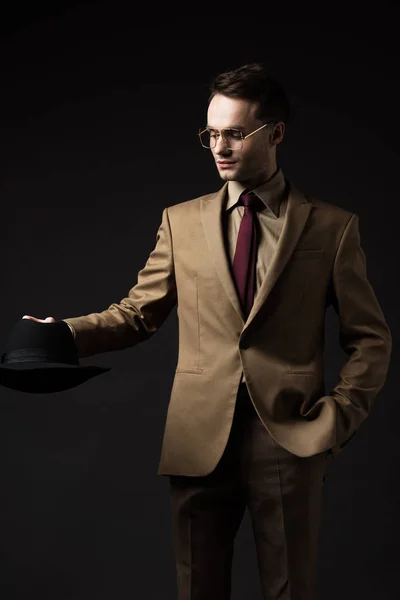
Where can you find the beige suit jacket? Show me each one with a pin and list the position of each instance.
(318, 261)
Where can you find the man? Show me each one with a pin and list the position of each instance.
(252, 269)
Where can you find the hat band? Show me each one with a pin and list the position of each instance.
(36, 355)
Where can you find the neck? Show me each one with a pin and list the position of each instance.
(260, 178)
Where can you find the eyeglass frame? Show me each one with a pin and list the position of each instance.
(221, 133)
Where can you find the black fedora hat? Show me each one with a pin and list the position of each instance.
(42, 358)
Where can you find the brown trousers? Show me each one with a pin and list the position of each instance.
(283, 493)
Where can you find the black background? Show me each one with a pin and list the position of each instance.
(99, 113)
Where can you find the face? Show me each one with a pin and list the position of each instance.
(255, 163)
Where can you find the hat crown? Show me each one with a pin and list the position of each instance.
(30, 341)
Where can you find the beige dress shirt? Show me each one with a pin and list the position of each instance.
(271, 219)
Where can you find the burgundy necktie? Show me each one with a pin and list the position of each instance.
(244, 262)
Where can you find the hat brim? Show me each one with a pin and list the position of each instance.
(37, 378)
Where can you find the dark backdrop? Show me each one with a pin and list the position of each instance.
(99, 112)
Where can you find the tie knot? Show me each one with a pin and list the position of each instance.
(250, 200)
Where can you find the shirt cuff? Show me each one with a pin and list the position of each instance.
(72, 329)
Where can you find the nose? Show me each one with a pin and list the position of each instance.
(221, 146)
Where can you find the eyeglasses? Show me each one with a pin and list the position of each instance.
(233, 138)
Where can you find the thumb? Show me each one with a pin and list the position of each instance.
(46, 320)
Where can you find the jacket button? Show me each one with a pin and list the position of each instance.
(244, 345)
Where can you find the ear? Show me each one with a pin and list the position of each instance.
(277, 133)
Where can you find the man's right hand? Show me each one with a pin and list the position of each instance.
(46, 320)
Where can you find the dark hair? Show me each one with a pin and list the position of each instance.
(252, 82)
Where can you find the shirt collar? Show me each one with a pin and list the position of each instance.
(270, 193)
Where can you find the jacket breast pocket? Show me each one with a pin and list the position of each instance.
(307, 254)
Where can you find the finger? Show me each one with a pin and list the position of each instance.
(46, 320)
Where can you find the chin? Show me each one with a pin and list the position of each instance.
(230, 175)
(226, 176)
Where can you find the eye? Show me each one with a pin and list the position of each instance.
(234, 134)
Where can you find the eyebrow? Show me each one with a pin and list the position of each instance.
(230, 127)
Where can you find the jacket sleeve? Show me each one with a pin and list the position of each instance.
(363, 334)
(139, 315)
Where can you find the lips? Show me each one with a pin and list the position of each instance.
(225, 163)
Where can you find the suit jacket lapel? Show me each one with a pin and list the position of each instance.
(298, 210)
(211, 209)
